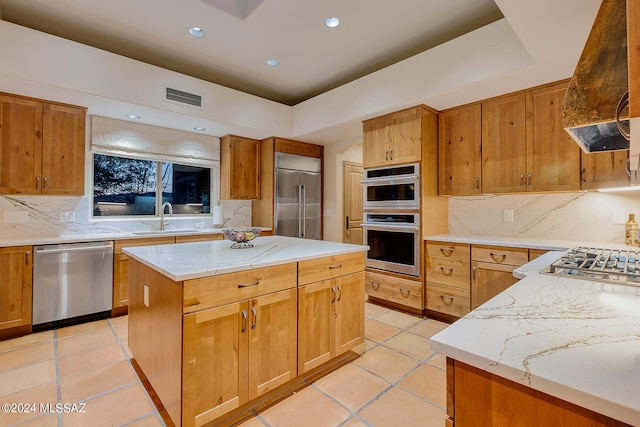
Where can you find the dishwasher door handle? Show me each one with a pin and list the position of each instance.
(73, 249)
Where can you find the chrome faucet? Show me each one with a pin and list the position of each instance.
(162, 222)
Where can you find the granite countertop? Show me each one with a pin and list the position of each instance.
(201, 259)
(89, 237)
(578, 340)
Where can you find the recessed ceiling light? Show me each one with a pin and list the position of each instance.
(273, 62)
(332, 22)
(196, 32)
(133, 116)
(199, 129)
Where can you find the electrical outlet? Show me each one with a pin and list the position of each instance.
(619, 216)
(67, 216)
(508, 215)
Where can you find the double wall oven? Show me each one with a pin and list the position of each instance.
(391, 225)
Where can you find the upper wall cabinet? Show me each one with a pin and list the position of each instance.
(239, 168)
(393, 139)
(42, 147)
(460, 151)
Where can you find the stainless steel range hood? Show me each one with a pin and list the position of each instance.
(599, 83)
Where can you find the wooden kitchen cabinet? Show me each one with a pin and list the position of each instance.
(395, 138)
(16, 269)
(460, 155)
(239, 168)
(248, 347)
(42, 147)
(492, 270)
(553, 159)
(200, 237)
(602, 170)
(395, 289)
(447, 278)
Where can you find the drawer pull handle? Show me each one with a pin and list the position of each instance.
(498, 257)
(402, 291)
(246, 285)
(333, 296)
(375, 285)
(446, 297)
(255, 317)
(244, 321)
(331, 267)
(447, 251)
(447, 270)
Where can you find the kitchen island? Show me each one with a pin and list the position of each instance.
(547, 351)
(213, 328)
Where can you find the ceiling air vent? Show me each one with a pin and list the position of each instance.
(181, 97)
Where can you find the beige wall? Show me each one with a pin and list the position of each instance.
(334, 155)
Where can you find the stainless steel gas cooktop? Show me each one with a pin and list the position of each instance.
(605, 265)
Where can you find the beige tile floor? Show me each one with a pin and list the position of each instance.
(397, 380)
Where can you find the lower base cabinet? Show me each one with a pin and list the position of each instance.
(394, 289)
(16, 269)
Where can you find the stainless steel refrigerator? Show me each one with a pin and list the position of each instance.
(298, 196)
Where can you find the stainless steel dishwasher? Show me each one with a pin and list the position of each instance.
(71, 280)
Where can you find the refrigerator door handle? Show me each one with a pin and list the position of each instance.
(304, 210)
(300, 217)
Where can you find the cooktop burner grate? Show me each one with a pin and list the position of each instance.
(606, 265)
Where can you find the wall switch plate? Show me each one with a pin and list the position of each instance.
(67, 216)
(508, 215)
(15, 217)
(619, 216)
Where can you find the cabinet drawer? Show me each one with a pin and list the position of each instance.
(448, 271)
(500, 255)
(394, 289)
(315, 270)
(214, 291)
(199, 237)
(119, 244)
(448, 300)
(448, 250)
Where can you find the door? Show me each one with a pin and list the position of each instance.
(352, 202)
(287, 183)
(315, 335)
(310, 211)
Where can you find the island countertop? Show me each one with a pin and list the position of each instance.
(185, 261)
(577, 340)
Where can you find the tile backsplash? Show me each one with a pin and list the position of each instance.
(48, 216)
(560, 216)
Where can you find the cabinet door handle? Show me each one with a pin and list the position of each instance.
(477, 183)
(45, 182)
(498, 257)
(475, 273)
(386, 155)
(582, 172)
(340, 293)
(346, 223)
(521, 180)
(246, 285)
(37, 182)
(255, 317)
(331, 267)
(333, 296)
(373, 285)
(529, 180)
(27, 254)
(391, 154)
(402, 291)
(244, 321)
(447, 251)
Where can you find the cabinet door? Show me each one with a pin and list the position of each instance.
(460, 151)
(315, 337)
(349, 312)
(63, 146)
(215, 351)
(15, 286)
(240, 168)
(488, 280)
(376, 137)
(504, 165)
(20, 145)
(120, 280)
(601, 170)
(406, 136)
(272, 341)
(553, 159)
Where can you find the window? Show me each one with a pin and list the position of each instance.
(133, 187)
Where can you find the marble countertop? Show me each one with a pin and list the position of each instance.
(186, 261)
(578, 340)
(89, 237)
(522, 242)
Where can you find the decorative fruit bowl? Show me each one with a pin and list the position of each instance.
(241, 236)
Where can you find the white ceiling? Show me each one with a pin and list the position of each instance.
(234, 51)
(383, 57)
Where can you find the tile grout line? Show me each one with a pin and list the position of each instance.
(57, 363)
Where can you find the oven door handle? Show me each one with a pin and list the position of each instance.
(390, 227)
(406, 179)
